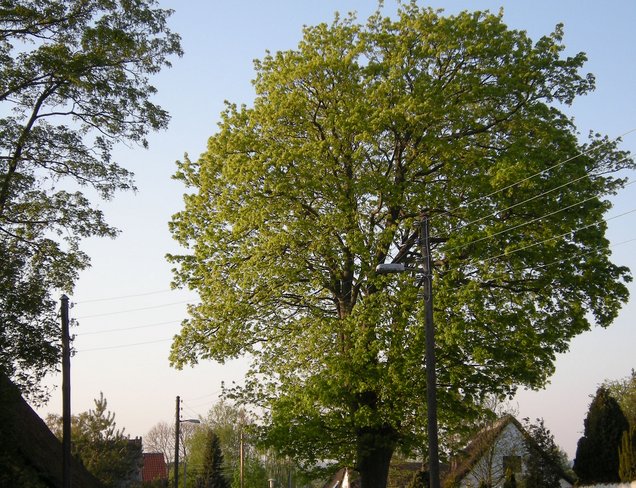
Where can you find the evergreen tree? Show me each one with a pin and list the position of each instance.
(212, 476)
(597, 451)
(627, 456)
(103, 448)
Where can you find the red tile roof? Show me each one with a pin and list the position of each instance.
(154, 467)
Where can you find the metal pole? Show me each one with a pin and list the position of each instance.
(431, 381)
(66, 395)
(176, 444)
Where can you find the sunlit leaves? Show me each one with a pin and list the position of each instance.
(352, 137)
(73, 82)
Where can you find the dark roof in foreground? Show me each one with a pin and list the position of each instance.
(30, 455)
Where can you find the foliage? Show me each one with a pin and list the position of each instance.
(73, 83)
(420, 480)
(597, 451)
(510, 481)
(212, 475)
(624, 391)
(545, 462)
(103, 449)
(352, 138)
(627, 456)
(230, 422)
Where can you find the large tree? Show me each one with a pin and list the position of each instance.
(73, 82)
(352, 138)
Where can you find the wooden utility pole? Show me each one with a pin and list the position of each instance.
(176, 442)
(66, 395)
(431, 380)
(241, 456)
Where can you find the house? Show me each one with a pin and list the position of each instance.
(30, 454)
(502, 449)
(400, 476)
(154, 467)
(342, 479)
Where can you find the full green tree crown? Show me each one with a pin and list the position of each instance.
(353, 137)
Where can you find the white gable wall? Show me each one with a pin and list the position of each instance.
(490, 467)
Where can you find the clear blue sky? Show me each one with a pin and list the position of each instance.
(123, 343)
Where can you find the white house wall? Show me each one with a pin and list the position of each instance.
(489, 468)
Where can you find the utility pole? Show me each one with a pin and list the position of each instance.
(66, 395)
(431, 380)
(176, 442)
(241, 456)
(425, 279)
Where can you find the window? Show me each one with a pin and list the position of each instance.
(512, 464)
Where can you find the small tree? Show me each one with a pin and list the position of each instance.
(212, 476)
(597, 451)
(99, 444)
(545, 459)
(627, 456)
(160, 438)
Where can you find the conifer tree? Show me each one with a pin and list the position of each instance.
(212, 476)
(597, 459)
(627, 456)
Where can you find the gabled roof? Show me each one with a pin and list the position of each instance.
(154, 467)
(342, 479)
(29, 448)
(480, 445)
(400, 474)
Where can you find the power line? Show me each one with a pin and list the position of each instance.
(598, 222)
(121, 329)
(564, 260)
(582, 254)
(132, 310)
(121, 346)
(537, 219)
(512, 185)
(205, 396)
(531, 199)
(93, 300)
(190, 409)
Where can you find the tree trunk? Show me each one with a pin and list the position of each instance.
(375, 447)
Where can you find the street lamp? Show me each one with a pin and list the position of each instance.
(178, 422)
(431, 395)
